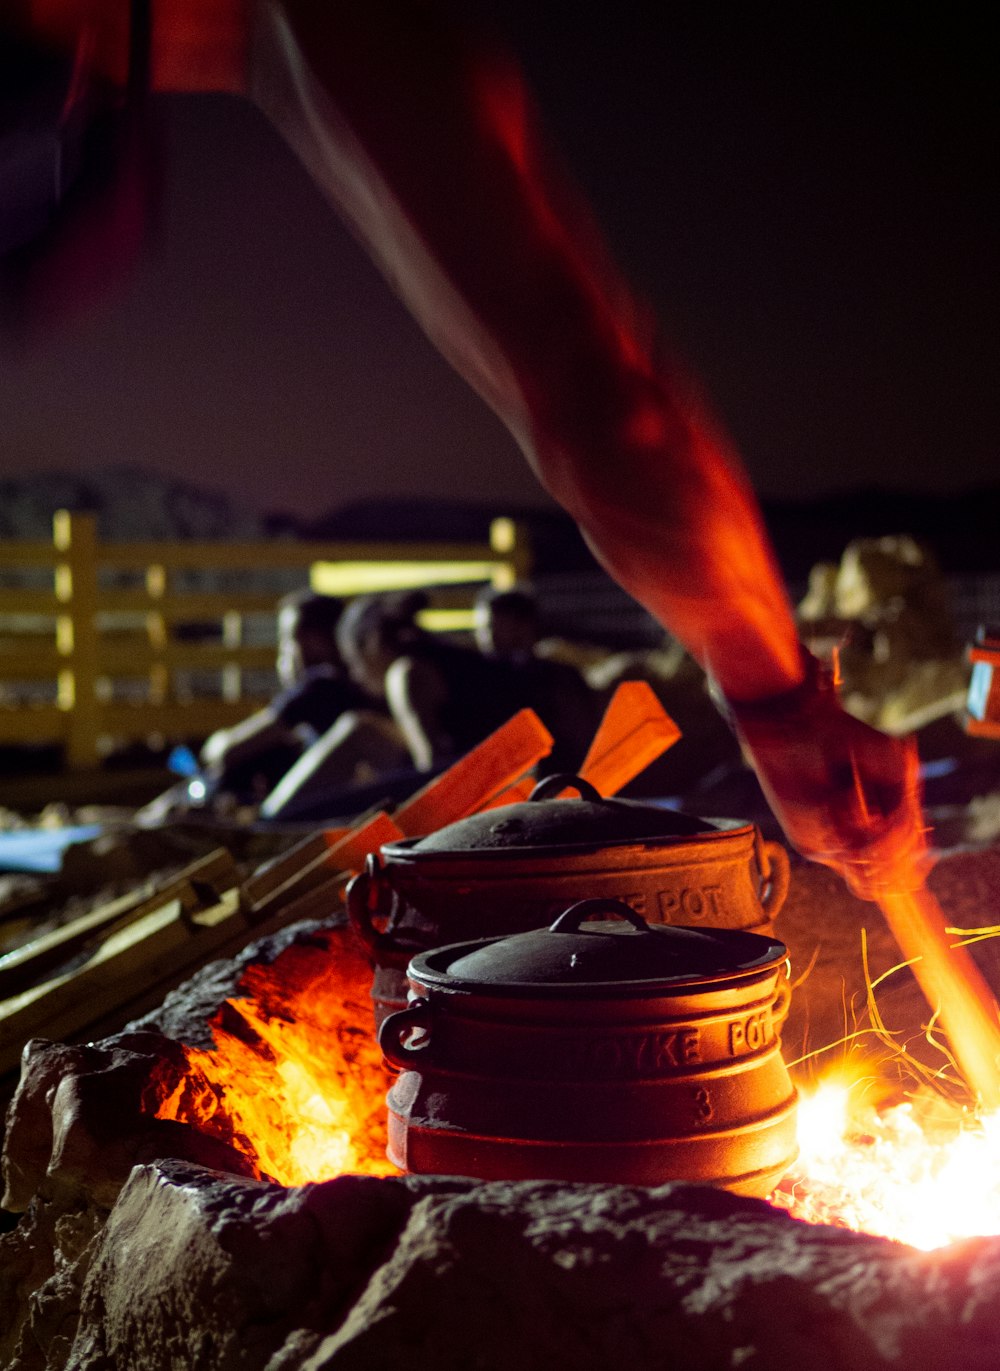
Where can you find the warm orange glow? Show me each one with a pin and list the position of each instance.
(295, 1080)
(925, 1173)
(953, 985)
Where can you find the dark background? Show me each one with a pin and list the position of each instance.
(806, 196)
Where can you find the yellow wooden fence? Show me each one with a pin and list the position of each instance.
(98, 613)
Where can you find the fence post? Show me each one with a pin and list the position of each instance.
(232, 675)
(75, 540)
(511, 540)
(156, 634)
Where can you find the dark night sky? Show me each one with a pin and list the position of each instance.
(810, 205)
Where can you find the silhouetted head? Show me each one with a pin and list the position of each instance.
(506, 622)
(307, 634)
(375, 631)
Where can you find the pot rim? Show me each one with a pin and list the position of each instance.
(407, 848)
(426, 972)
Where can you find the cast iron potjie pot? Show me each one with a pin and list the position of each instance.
(595, 1051)
(514, 868)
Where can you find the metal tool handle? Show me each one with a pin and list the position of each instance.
(570, 921)
(417, 1015)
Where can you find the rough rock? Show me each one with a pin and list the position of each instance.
(194, 1269)
(185, 1012)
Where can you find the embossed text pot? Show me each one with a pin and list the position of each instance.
(595, 1051)
(514, 868)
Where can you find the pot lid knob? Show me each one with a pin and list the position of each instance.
(571, 919)
(551, 787)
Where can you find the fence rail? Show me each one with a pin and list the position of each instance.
(103, 644)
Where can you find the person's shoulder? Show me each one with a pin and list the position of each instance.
(317, 699)
(415, 680)
(555, 675)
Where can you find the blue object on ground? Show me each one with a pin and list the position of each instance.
(40, 850)
(182, 761)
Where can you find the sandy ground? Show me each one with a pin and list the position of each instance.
(826, 930)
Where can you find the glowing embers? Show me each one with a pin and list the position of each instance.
(295, 1080)
(925, 1173)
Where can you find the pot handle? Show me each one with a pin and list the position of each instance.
(777, 873)
(782, 1000)
(552, 786)
(417, 1014)
(370, 893)
(570, 921)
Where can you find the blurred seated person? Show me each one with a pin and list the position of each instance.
(248, 759)
(442, 698)
(507, 628)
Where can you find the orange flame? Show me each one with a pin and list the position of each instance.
(295, 1080)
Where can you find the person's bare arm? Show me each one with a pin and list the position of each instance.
(417, 698)
(427, 140)
(250, 738)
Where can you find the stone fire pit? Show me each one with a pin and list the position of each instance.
(147, 1238)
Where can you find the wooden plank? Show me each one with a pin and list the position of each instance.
(315, 902)
(22, 552)
(253, 555)
(30, 660)
(635, 730)
(34, 724)
(134, 658)
(482, 773)
(197, 886)
(278, 871)
(38, 602)
(184, 606)
(312, 863)
(360, 578)
(176, 719)
(348, 852)
(162, 942)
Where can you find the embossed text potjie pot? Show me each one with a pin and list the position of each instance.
(514, 868)
(595, 1051)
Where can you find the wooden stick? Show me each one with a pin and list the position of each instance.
(272, 875)
(132, 959)
(198, 885)
(313, 862)
(476, 778)
(634, 731)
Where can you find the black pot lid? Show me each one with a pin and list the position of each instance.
(544, 822)
(576, 953)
